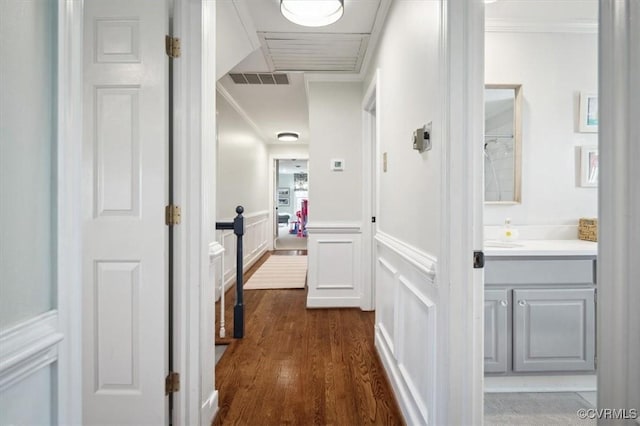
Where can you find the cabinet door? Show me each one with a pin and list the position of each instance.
(553, 329)
(496, 309)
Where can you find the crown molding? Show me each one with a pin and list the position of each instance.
(236, 106)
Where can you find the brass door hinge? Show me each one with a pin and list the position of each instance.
(172, 45)
(172, 383)
(172, 215)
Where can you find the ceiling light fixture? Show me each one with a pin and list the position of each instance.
(287, 136)
(312, 13)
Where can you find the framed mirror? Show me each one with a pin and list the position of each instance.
(502, 143)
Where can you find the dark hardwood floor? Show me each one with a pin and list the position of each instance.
(301, 366)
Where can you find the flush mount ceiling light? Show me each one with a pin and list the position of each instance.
(287, 136)
(312, 13)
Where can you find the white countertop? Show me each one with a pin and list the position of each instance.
(541, 248)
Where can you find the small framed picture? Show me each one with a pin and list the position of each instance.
(283, 192)
(588, 119)
(283, 201)
(589, 166)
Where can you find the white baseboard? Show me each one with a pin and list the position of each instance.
(409, 410)
(210, 406)
(564, 383)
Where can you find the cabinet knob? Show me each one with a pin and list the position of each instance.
(522, 302)
(504, 303)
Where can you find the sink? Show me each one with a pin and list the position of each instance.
(501, 244)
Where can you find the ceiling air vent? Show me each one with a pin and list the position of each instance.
(259, 78)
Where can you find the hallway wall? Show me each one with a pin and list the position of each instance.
(289, 150)
(335, 211)
(335, 119)
(242, 173)
(410, 302)
(242, 179)
(407, 60)
(29, 301)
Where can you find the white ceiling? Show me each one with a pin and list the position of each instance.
(272, 109)
(340, 47)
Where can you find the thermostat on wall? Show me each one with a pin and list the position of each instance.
(337, 165)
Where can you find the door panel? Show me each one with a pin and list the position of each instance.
(125, 187)
(554, 329)
(496, 314)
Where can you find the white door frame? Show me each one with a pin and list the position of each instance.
(370, 160)
(462, 63)
(69, 208)
(272, 189)
(194, 182)
(618, 349)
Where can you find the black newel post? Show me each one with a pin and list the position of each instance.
(238, 309)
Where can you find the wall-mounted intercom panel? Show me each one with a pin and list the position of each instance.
(422, 138)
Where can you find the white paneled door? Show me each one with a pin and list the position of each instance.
(124, 194)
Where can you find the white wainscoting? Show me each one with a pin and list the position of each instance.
(27, 347)
(405, 325)
(254, 244)
(335, 265)
(28, 351)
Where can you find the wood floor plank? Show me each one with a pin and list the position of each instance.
(299, 366)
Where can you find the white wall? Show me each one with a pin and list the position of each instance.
(28, 402)
(242, 179)
(335, 197)
(409, 299)
(335, 118)
(27, 153)
(28, 181)
(234, 41)
(242, 165)
(553, 68)
(407, 59)
(289, 151)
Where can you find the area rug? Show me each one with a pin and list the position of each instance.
(279, 272)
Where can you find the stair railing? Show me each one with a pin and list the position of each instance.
(238, 310)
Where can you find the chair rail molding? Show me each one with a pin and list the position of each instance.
(27, 347)
(333, 227)
(421, 260)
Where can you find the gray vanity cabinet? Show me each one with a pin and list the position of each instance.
(553, 329)
(496, 322)
(539, 314)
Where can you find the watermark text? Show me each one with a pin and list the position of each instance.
(607, 413)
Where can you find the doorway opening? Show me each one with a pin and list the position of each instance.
(291, 201)
(540, 283)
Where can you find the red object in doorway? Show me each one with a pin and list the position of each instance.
(302, 219)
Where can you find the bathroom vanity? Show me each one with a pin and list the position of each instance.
(539, 308)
